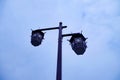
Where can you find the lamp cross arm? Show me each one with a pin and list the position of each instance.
(71, 34)
(52, 28)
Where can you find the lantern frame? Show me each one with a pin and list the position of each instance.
(36, 37)
(78, 43)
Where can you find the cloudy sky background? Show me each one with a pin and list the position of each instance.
(98, 19)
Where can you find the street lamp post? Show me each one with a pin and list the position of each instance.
(38, 35)
(59, 57)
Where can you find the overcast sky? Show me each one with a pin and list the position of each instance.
(98, 19)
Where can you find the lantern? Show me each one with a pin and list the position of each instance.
(78, 43)
(37, 37)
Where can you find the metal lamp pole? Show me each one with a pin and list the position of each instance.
(59, 55)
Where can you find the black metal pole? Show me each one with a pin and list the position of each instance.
(59, 57)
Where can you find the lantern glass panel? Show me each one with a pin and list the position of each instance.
(78, 45)
(36, 39)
